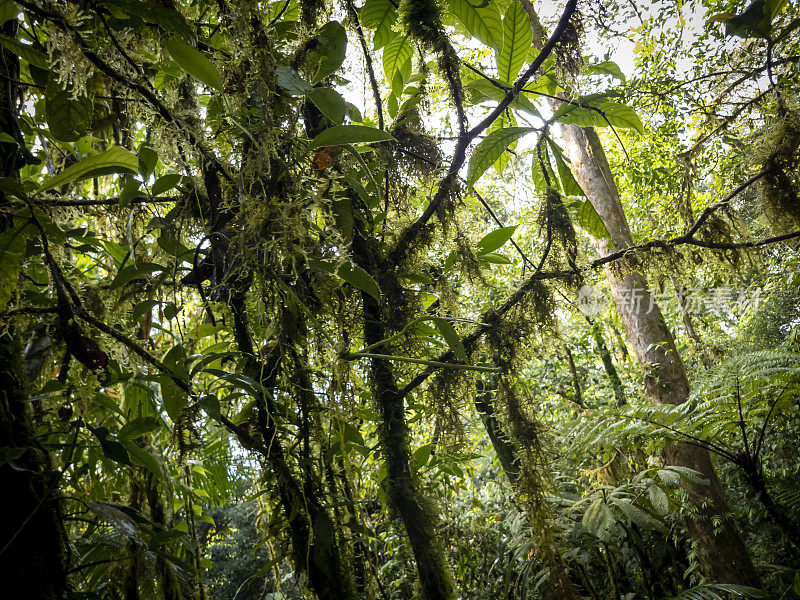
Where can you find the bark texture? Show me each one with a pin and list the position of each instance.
(726, 558)
(31, 550)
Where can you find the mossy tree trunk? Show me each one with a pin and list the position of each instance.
(403, 491)
(726, 558)
(31, 549)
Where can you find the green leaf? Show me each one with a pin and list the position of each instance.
(331, 50)
(194, 62)
(359, 278)
(568, 183)
(135, 428)
(688, 474)
(8, 11)
(422, 454)
(210, 404)
(111, 448)
(485, 90)
(591, 221)
(12, 249)
(25, 51)
(289, 80)
(395, 55)
(595, 112)
(113, 160)
(67, 118)
(352, 112)
(349, 134)
(495, 259)
(173, 397)
(130, 191)
(490, 149)
(599, 520)
(452, 338)
(507, 119)
(481, 20)
(329, 102)
(142, 458)
(165, 183)
(495, 239)
(607, 67)
(638, 516)
(621, 115)
(148, 159)
(131, 272)
(379, 15)
(517, 39)
(155, 14)
(755, 21)
(658, 499)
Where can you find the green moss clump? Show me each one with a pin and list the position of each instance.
(777, 151)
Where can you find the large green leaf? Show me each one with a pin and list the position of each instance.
(638, 516)
(329, 102)
(490, 149)
(142, 457)
(507, 119)
(517, 39)
(12, 249)
(395, 55)
(113, 160)
(350, 134)
(591, 221)
(359, 278)
(131, 272)
(379, 15)
(136, 427)
(481, 90)
(330, 51)
(194, 62)
(606, 67)
(568, 183)
(174, 399)
(599, 520)
(289, 80)
(481, 20)
(596, 112)
(25, 51)
(622, 115)
(495, 239)
(658, 499)
(452, 338)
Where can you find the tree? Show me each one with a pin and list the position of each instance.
(226, 270)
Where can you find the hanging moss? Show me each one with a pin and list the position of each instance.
(568, 47)
(554, 221)
(777, 150)
(423, 21)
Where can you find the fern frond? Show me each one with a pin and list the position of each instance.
(719, 591)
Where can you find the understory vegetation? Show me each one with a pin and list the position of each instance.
(396, 299)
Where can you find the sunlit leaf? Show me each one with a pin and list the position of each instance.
(114, 160)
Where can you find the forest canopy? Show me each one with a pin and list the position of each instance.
(395, 299)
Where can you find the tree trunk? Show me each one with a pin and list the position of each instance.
(403, 490)
(502, 444)
(608, 363)
(31, 550)
(722, 550)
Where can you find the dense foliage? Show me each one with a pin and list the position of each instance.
(418, 298)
